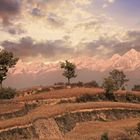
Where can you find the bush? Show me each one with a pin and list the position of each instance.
(104, 136)
(78, 84)
(123, 88)
(86, 98)
(138, 127)
(91, 84)
(136, 88)
(7, 93)
(110, 96)
(59, 83)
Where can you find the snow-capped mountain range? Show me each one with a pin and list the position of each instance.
(130, 61)
(38, 73)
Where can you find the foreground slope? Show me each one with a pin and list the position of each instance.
(58, 114)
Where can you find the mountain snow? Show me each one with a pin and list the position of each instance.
(130, 61)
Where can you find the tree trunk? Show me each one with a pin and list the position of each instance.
(0, 85)
(68, 81)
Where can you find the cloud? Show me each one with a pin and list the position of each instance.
(58, 29)
(105, 5)
(105, 48)
(9, 8)
(13, 30)
(110, 1)
(83, 2)
(100, 48)
(133, 41)
(54, 20)
(28, 48)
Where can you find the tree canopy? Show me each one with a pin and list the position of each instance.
(114, 81)
(7, 60)
(119, 78)
(69, 70)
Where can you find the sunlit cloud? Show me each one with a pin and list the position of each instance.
(68, 27)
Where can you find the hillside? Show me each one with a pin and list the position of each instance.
(70, 114)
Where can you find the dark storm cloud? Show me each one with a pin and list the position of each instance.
(11, 6)
(101, 47)
(13, 30)
(134, 34)
(133, 42)
(107, 47)
(58, 49)
(28, 48)
(8, 8)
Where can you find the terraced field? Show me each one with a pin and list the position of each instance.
(63, 114)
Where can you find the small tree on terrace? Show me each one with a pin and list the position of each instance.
(109, 85)
(69, 70)
(119, 78)
(114, 81)
(7, 61)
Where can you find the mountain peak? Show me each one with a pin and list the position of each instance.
(132, 51)
(115, 56)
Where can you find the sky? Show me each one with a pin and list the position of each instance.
(53, 30)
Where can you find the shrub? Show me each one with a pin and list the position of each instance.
(65, 101)
(59, 83)
(132, 98)
(7, 93)
(136, 88)
(104, 136)
(123, 88)
(78, 84)
(138, 127)
(91, 84)
(90, 98)
(86, 98)
(110, 96)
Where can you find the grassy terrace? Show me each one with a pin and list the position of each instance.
(7, 107)
(68, 93)
(46, 111)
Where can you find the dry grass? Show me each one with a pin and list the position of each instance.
(7, 107)
(47, 111)
(68, 93)
(86, 130)
(62, 93)
(137, 93)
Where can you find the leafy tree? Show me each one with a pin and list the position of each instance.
(109, 84)
(119, 78)
(69, 70)
(7, 93)
(7, 60)
(114, 81)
